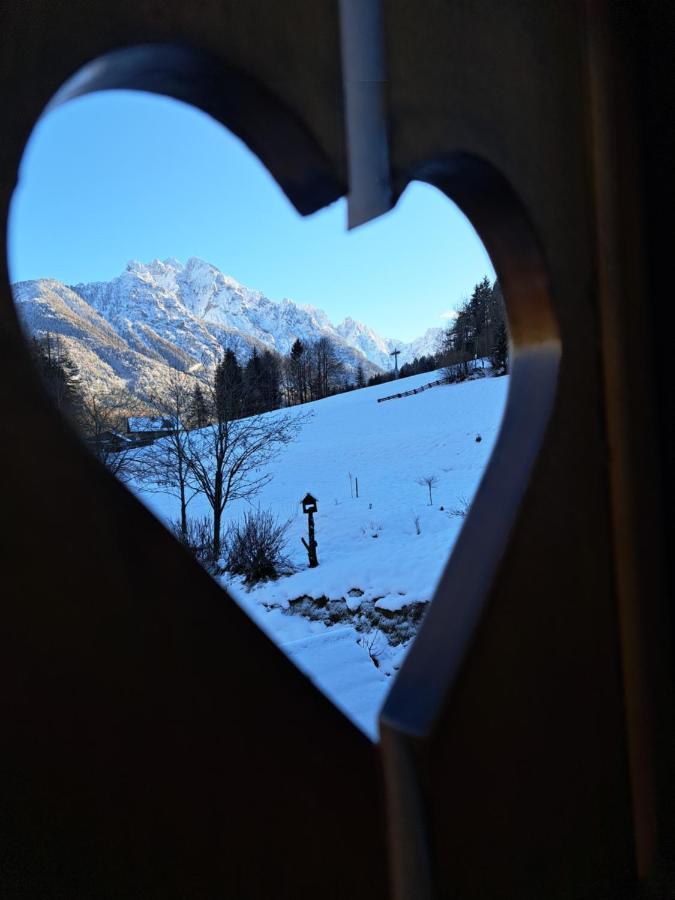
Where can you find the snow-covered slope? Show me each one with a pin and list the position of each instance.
(161, 316)
(386, 549)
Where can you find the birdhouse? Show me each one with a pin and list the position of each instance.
(309, 504)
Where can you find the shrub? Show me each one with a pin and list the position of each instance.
(462, 508)
(370, 641)
(255, 547)
(458, 367)
(198, 539)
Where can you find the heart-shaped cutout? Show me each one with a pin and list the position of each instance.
(336, 529)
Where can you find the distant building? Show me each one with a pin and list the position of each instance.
(146, 429)
(112, 441)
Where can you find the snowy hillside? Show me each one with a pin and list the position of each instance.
(162, 316)
(376, 572)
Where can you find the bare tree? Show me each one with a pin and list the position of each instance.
(102, 419)
(429, 481)
(228, 459)
(325, 368)
(163, 467)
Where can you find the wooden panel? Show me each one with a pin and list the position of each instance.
(156, 744)
(159, 745)
(517, 781)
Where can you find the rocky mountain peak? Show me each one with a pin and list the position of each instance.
(182, 316)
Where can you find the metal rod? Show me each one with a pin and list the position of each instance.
(363, 78)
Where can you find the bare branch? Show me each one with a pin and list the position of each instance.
(227, 460)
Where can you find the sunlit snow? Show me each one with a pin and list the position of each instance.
(368, 547)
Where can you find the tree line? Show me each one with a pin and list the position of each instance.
(218, 443)
(97, 415)
(220, 440)
(478, 332)
(312, 370)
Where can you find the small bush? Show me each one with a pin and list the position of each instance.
(255, 548)
(462, 508)
(458, 367)
(370, 641)
(198, 539)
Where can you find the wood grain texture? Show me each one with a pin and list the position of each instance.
(142, 758)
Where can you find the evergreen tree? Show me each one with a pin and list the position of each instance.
(479, 326)
(500, 352)
(297, 373)
(198, 410)
(383, 378)
(497, 331)
(253, 385)
(478, 315)
(270, 381)
(229, 387)
(58, 371)
(360, 377)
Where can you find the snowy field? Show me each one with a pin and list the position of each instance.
(371, 556)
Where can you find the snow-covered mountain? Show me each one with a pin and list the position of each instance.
(163, 316)
(378, 349)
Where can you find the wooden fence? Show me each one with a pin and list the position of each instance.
(418, 390)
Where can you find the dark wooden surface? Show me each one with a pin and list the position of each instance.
(154, 743)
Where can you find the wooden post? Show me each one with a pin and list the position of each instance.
(312, 545)
(309, 505)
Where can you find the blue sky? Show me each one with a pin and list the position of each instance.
(122, 175)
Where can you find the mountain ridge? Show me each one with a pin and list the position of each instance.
(166, 315)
